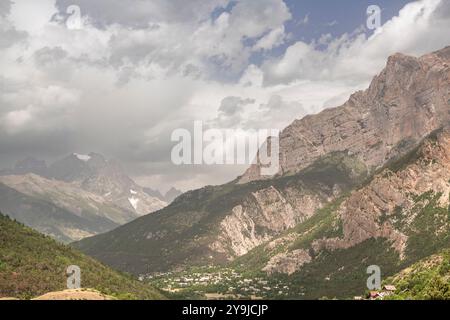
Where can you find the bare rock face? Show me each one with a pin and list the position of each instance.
(263, 215)
(288, 263)
(407, 101)
(369, 212)
(386, 208)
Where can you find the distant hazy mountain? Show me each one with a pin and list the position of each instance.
(89, 187)
(98, 175)
(72, 168)
(106, 178)
(50, 219)
(168, 197)
(154, 193)
(68, 196)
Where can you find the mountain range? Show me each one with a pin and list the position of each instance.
(75, 197)
(365, 183)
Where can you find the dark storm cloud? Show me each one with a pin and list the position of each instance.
(9, 37)
(46, 146)
(5, 7)
(231, 105)
(139, 13)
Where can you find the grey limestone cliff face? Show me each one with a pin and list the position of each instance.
(263, 215)
(372, 211)
(407, 101)
(288, 262)
(386, 208)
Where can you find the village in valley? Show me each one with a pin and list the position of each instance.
(220, 283)
(217, 283)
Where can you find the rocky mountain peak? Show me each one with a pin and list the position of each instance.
(69, 169)
(96, 174)
(97, 160)
(408, 100)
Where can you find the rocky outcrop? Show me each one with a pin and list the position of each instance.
(369, 212)
(407, 101)
(288, 262)
(387, 208)
(267, 212)
(263, 215)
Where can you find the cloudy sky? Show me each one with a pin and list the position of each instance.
(123, 77)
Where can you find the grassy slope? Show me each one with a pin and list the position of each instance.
(32, 264)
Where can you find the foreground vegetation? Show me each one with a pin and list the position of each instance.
(32, 264)
(428, 279)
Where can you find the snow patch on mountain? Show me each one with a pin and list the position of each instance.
(134, 202)
(82, 157)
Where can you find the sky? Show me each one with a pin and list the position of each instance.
(123, 77)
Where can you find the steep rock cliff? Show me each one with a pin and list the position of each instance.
(407, 101)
